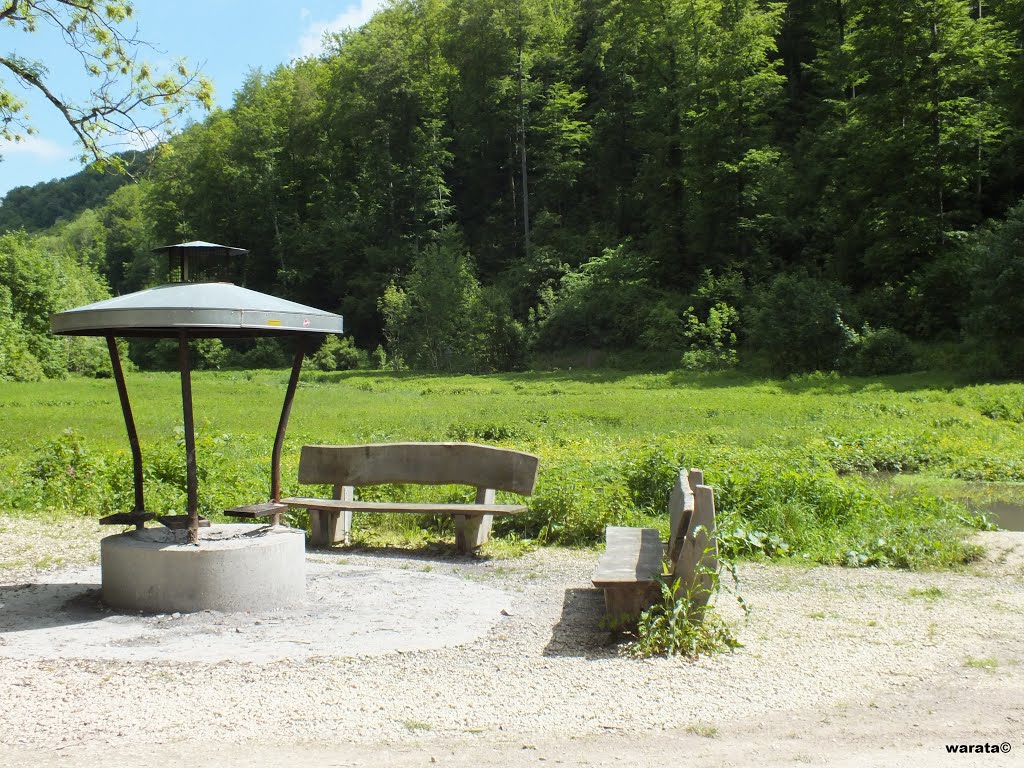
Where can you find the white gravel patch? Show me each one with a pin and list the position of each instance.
(815, 638)
(349, 611)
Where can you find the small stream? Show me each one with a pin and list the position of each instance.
(1002, 502)
(1008, 515)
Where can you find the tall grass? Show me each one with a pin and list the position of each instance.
(787, 457)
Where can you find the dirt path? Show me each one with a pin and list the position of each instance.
(840, 667)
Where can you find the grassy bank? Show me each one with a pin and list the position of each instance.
(789, 459)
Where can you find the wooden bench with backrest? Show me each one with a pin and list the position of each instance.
(635, 559)
(347, 467)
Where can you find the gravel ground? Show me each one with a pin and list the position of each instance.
(818, 640)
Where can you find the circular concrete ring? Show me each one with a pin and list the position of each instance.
(236, 567)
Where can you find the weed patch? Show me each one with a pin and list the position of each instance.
(786, 458)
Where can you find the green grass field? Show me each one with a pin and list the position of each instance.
(792, 461)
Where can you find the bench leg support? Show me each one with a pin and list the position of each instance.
(471, 531)
(623, 605)
(328, 528)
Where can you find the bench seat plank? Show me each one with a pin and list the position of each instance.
(336, 505)
(261, 509)
(632, 556)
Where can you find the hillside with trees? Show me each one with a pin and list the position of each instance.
(42, 205)
(785, 186)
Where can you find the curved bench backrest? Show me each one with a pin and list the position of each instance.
(481, 466)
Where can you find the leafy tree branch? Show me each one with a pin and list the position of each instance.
(128, 102)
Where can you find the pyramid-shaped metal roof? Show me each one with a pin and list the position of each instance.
(198, 309)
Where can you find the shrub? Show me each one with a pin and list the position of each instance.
(671, 627)
(879, 352)
(649, 478)
(796, 324)
(265, 353)
(712, 343)
(336, 354)
(88, 356)
(209, 354)
(663, 330)
(994, 318)
(600, 305)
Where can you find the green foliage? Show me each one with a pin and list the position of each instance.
(671, 627)
(264, 353)
(796, 324)
(336, 354)
(17, 363)
(649, 478)
(443, 295)
(712, 343)
(600, 304)
(607, 165)
(792, 462)
(66, 475)
(379, 358)
(395, 307)
(993, 323)
(44, 204)
(127, 98)
(879, 352)
(443, 320)
(38, 278)
(663, 330)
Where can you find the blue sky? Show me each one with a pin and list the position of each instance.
(226, 39)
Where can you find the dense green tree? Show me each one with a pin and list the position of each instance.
(609, 165)
(43, 205)
(695, 81)
(995, 319)
(914, 127)
(39, 277)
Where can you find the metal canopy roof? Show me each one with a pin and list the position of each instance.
(202, 247)
(197, 309)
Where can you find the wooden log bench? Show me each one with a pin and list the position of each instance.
(635, 559)
(346, 467)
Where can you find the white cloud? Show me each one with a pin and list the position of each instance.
(36, 147)
(355, 16)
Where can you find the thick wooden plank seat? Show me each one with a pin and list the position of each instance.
(391, 506)
(628, 570)
(631, 555)
(345, 467)
(271, 509)
(127, 518)
(635, 559)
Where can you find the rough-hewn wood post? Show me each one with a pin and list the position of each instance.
(191, 480)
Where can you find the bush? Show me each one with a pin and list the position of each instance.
(162, 354)
(88, 356)
(663, 330)
(336, 354)
(209, 354)
(265, 353)
(796, 324)
(712, 343)
(17, 363)
(879, 352)
(600, 305)
(995, 319)
(671, 627)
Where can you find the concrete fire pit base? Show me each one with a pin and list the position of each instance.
(236, 567)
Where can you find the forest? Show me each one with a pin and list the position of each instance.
(484, 185)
